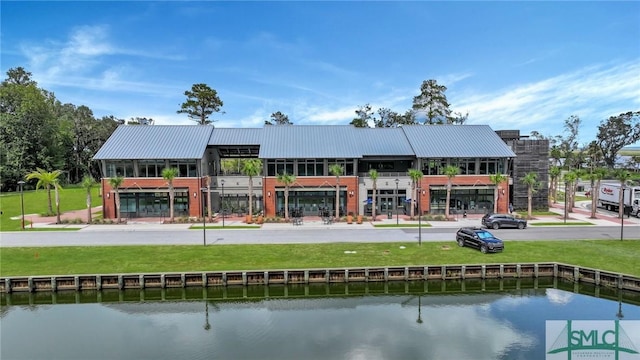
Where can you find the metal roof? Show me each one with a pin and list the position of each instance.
(228, 136)
(383, 142)
(156, 142)
(456, 141)
(304, 141)
(309, 141)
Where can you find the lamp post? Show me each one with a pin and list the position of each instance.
(396, 202)
(21, 183)
(622, 217)
(419, 321)
(566, 185)
(222, 201)
(204, 218)
(419, 192)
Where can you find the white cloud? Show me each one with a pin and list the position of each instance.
(592, 93)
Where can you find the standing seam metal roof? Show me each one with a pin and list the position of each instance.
(456, 141)
(305, 141)
(229, 136)
(156, 142)
(309, 141)
(383, 142)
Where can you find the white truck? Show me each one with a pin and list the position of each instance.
(609, 198)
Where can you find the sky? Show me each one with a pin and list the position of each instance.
(510, 65)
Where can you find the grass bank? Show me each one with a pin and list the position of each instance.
(610, 255)
(36, 202)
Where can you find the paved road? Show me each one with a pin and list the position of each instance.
(293, 235)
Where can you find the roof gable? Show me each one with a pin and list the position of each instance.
(156, 142)
(456, 141)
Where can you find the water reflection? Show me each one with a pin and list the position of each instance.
(379, 321)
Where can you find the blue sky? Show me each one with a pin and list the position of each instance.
(511, 65)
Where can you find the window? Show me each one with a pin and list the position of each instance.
(347, 166)
(310, 167)
(186, 168)
(280, 166)
(150, 168)
(122, 168)
(434, 166)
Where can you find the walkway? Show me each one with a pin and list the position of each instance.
(581, 213)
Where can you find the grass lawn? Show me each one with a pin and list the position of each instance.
(35, 202)
(610, 255)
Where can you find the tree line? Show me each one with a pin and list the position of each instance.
(39, 132)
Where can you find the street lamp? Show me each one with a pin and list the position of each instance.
(222, 201)
(419, 192)
(21, 183)
(396, 202)
(204, 223)
(622, 216)
(566, 185)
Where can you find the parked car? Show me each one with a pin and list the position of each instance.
(480, 239)
(497, 221)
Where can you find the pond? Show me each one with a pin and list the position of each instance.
(491, 319)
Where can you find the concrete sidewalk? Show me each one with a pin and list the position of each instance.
(581, 213)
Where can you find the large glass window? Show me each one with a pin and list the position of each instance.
(310, 167)
(479, 201)
(279, 166)
(490, 166)
(347, 166)
(150, 168)
(467, 166)
(186, 168)
(434, 166)
(156, 204)
(122, 168)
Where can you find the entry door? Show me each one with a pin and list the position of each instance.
(386, 204)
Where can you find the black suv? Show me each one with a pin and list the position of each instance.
(497, 221)
(480, 239)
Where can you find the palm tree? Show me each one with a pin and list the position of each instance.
(416, 176)
(115, 183)
(623, 176)
(169, 174)
(337, 170)
(46, 180)
(251, 168)
(373, 174)
(287, 180)
(497, 179)
(595, 177)
(569, 179)
(554, 174)
(87, 183)
(580, 174)
(531, 180)
(450, 172)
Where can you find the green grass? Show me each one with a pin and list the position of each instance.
(35, 202)
(610, 255)
(555, 223)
